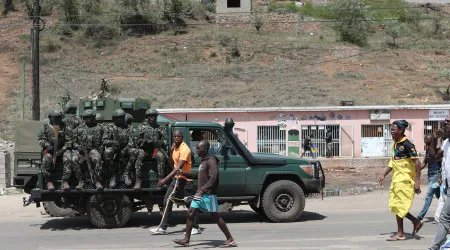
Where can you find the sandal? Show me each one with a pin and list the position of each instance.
(394, 238)
(231, 244)
(417, 228)
(181, 243)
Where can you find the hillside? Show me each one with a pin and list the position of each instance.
(227, 65)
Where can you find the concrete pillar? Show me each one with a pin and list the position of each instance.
(5, 169)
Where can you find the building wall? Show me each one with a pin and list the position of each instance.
(5, 170)
(221, 7)
(250, 120)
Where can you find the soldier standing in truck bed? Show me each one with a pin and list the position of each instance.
(49, 135)
(135, 155)
(115, 139)
(153, 139)
(70, 117)
(87, 139)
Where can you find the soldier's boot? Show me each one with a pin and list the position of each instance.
(79, 175)
(65, 185)
(80, 185)
(98, 185)
(113, 181)
(126, 177)
(50, 185)
(137, 184)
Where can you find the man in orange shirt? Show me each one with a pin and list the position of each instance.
(182, 161)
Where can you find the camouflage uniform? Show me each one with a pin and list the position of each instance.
(70, 119)
(99, 119)
(136, 156)
(154, 137)
(115, 139)
(47, 140)
(88, 139)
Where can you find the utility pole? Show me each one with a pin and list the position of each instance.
(36, 110)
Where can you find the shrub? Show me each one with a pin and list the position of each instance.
(319, 11)
(444, 74)
(394, 29)
(282, 8)
(50, 46)
(352, 24)
(257, 21)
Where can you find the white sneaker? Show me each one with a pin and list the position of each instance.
(195, 231)
(158, 230)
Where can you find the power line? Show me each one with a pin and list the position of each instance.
(7, 25)
(57, 83)
(272, 11)
(185, 42)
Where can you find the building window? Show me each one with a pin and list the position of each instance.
(317, 134)
(271, 140)
(376, 140)
(430, 126)
(233, 3)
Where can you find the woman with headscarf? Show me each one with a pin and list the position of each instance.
(405, 166)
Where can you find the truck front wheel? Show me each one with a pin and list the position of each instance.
(283, 201)
(109, 210)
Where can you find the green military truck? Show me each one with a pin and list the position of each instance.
(273, 185)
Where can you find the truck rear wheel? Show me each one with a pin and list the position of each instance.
(109, 210)
(283, 201)
(56, 210)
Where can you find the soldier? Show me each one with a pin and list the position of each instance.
(50, 139)
(135, 155)
(70, 117)
(99, 119)
(115, 139)
(88, 140)
(153, 140)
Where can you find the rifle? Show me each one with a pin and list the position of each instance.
(88, 160)
(56, 129)
(116, 138)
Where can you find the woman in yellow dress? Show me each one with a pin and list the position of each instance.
(405, 165)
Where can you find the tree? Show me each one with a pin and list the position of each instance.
(394, 29)
(7, 6)
(352, 21)
(257, 22)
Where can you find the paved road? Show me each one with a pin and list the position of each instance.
(353, 222)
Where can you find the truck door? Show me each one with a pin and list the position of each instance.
(231, 167)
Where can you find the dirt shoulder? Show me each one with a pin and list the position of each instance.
(355, 180)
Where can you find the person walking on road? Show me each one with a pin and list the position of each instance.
(405, 165)
(434, 176)
(443, 151)
(206, 198)
(179, 186)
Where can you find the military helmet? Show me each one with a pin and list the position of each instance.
(118, 112)
(128, 117)
(88, 112)
(70, 105)
(99, 117)
(56, 113)
(151, 112)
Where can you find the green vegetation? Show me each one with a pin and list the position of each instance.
(353, 22)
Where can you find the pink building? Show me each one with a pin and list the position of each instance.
(358, 131)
